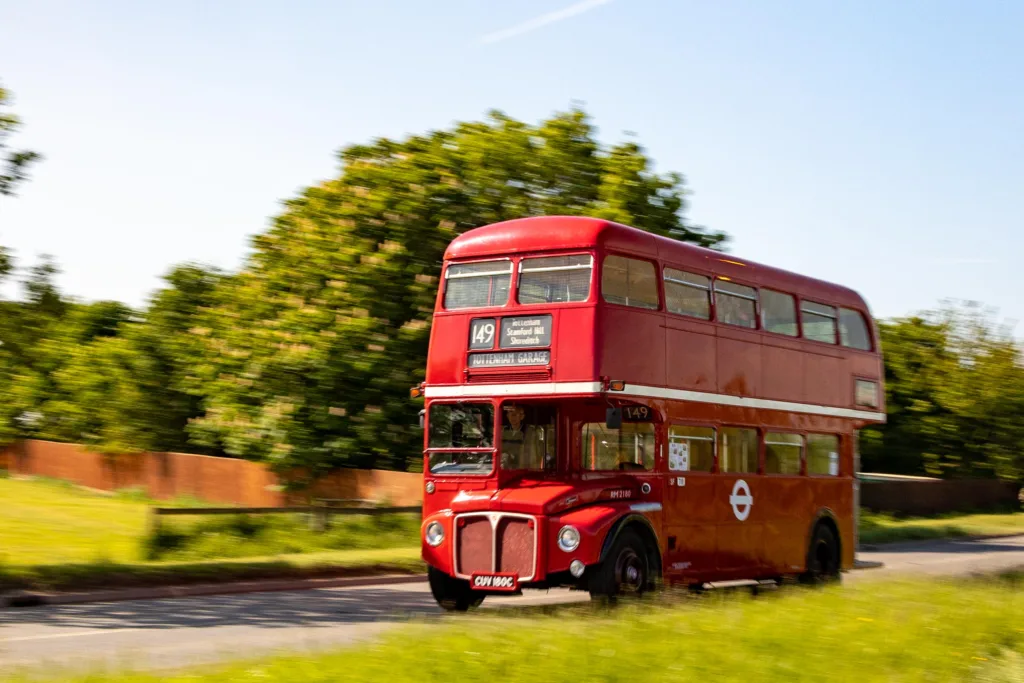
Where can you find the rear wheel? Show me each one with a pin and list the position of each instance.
(822, 557)
(626, 571)
(453, 595)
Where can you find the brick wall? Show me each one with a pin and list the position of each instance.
(216, 480)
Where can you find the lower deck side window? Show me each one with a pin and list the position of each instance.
(823, 455)
(782, 453)
(631, 447)
(737, 450)
(691, 449)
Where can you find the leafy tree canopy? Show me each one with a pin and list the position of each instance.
(310, 353)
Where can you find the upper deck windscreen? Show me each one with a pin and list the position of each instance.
(555, 279)
(476, 285)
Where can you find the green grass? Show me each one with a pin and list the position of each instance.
(52, 522)
(893, 631)
(107, 574)
(54, 535)
(247, 536)
(880, 528)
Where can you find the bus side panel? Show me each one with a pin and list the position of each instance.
(632, 345)
(690, 355)
(786, 502)
(574, 358)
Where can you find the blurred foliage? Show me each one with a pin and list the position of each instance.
(100, 373)
(13, 163)
(955, 397)
(303, 359)
(309, 356)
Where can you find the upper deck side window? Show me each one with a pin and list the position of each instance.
(778, 313)
(853, 330)
(735, 304)
(555, 279)
(818, 321)
(687, 293)
(479, 284)
(629, 282)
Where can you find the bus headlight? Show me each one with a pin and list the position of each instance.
(568, 539)
(434, 534)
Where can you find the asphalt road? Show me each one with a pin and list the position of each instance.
(182, 631)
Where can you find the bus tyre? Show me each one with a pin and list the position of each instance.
(822, 557)
(453, 595)
(626, 570)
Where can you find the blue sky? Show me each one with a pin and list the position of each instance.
(877, 144)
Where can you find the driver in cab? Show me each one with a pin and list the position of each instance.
(518, 440)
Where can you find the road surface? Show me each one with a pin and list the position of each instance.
(181, 631)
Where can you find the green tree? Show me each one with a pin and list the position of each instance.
(13, 163)
(955, 393)
(308, 359)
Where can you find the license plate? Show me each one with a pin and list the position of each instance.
(494, 582)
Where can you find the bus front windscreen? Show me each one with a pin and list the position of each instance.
(461, 426)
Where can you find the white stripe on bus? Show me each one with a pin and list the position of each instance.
(571, 388)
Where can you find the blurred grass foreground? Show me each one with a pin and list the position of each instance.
(969, 630)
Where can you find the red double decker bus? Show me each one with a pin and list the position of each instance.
(606, 408)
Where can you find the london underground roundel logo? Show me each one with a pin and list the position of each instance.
(741, 500)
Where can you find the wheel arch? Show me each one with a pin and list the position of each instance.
(827, 517)
(643, 527)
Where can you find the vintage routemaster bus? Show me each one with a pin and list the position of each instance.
(607, 409)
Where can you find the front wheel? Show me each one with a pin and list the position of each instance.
(822, 557)
(626, 570)
(453, 595)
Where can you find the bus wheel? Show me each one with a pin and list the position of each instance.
(453, 595)
(822, 557)
(624, 572)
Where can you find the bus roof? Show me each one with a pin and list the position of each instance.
(560, 233)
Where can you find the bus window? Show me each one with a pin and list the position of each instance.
(823, 454)
(630, 282)
(528, 437)
(630, 447)
(687, 294)
(782, 453)
(691, 449)
(479, 463)
(737, 450)
(778, 312)
(461, 425)
(735, 304)
(475, 285)
(819, 322)
(555, 279)
(853, 332)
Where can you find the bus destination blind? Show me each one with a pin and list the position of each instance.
(505, 358)
(525, 331)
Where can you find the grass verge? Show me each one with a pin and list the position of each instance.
(905, 631)
(876, 528)
(105, 575)
(56, 536)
